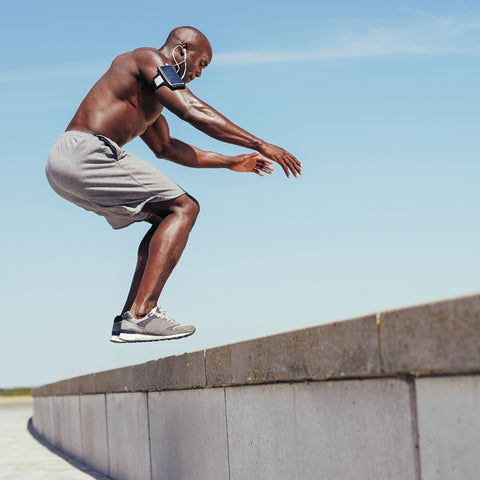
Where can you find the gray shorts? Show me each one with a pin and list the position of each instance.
(96, 174)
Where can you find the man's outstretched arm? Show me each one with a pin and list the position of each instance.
(158, 139)
(205, 118)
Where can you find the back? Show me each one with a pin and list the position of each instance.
(121, 105)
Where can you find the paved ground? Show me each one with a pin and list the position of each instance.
(24, 458)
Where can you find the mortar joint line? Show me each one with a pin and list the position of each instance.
(149, 434)
(379, 339)
(226, 431)
(108, 434)
(415, 431)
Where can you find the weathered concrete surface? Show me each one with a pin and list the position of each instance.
(180, 371)
(188, 435)
(128, 439)
(117, 380)
(449, 427)
(341, 399)
(71, 426)
(306, 431)
(93, 414)
(42, 415)
(355, 429)
(334, 350)
(22, 457)
(262, 433)
(427, 339)
(435, 338)
(57, 421)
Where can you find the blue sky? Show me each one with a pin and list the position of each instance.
(378, 99)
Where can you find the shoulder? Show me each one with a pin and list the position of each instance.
(141, 61)
(143, 55)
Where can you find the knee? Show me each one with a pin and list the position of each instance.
(188, 206)
(195, 206)
(184, 206)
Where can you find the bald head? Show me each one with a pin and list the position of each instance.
(190, 38)
(189, 51)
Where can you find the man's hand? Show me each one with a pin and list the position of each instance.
(251, 162)
(285, 159)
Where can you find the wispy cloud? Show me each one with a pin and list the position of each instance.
(431, 36)
(421, 34)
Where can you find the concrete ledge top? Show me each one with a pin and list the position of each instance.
(430, 339)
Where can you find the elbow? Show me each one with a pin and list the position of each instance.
(159, 152)
(185, 115)
(165, 151)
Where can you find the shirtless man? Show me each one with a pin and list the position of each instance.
(88, 166)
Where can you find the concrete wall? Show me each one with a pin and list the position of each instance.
(389, 396)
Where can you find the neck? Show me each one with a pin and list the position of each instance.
(166, 51)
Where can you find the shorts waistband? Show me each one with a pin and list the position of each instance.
(114, 147)
(78, 133)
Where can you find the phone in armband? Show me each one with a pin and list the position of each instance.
(166, 75)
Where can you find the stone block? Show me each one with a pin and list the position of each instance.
(128, 438)
(112, 381)
(449, 427)
(43, 391)
(188, 434)
(305, 431)
(340, 349)
(71, 432)
(56, 429)
(39, 391)
(434, 338)
(42, 416)
(83, 385)
(175, 372)
(93, 413)
(355, 429)
(58, 388)
(262, 432)
(51, 426)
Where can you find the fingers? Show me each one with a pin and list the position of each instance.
(263, 165)
(256, 163)
(265, 160)
(286, 160)
(292, 165)
(285, 169)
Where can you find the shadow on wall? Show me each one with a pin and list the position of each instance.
(71, 460)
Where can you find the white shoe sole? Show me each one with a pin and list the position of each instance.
(140, 337)
(116, 339)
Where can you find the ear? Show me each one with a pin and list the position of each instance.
(184, 47)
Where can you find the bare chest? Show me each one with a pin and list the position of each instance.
(147, 107)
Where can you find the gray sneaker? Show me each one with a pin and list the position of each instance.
(156, 325)
(115, 338)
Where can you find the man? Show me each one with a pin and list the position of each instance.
(88, 166)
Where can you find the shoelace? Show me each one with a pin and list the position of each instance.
(165, 317)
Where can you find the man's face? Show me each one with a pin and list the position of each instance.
(197, 60)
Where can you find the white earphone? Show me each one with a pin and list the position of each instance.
(184, 61)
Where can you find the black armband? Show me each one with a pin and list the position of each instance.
(166, 75)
